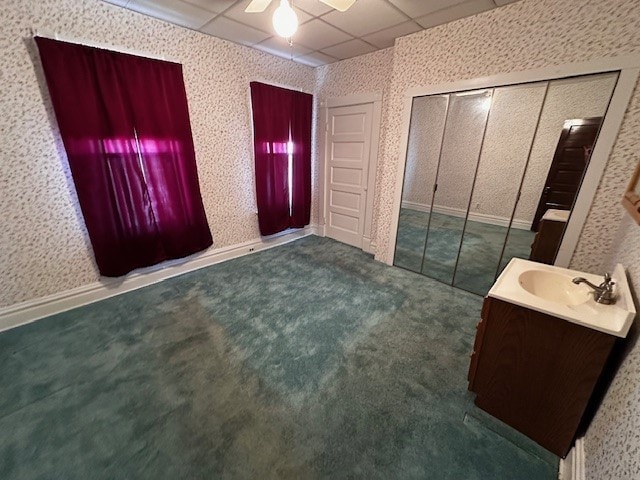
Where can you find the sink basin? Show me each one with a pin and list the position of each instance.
(549, 289)
(554, 287)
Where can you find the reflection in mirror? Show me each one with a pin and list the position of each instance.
(428, 116)
(493, 174)
(462, 142)
(569, 124)
(510, 130)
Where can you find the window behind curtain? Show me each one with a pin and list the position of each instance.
(125, 125)
(282, 152)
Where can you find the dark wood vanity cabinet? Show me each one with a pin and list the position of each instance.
(536, 372)
(547, 241)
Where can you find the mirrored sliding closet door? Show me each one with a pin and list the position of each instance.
(493, 174)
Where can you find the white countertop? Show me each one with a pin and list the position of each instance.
(556, 215)
(582, 309)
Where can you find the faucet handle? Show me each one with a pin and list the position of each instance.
(607, 282)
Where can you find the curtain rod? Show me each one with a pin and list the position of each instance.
(55, 36)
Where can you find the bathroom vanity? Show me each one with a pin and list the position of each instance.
(541, 346)
(549, 236)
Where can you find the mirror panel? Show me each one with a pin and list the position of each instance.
(569, 123)
(487, 169)
(428, 116)
(511, 127)
(462, 142)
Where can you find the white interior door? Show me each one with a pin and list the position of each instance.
(348, 148)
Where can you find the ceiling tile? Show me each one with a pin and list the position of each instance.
(279, 46)
(120, 3)
(174, 11)
(365, 17)
(349, 49)
(504, 2)
(223, 27)
(386, 38)
(316, 35)
(416, 9)
(263, 20)
(315, 59)
(217, 6)
(313, 7)
(470, 7)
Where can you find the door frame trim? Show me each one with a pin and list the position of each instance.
(368, 245)
(629, 68)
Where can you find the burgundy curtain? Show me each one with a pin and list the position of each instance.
(301, 138)
(280, 114)
(125, 126)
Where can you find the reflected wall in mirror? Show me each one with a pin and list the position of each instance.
(511, 127)
(463, 137)
(428, 117)
(568, 129)
(509, 164)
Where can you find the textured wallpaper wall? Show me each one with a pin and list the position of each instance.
(44, 243)
(612, 443)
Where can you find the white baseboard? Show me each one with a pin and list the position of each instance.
(368, 245)
(473, 216)
(420, 207)
(31, 310)
(573, 467)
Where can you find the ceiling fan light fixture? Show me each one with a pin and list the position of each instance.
(285, 20)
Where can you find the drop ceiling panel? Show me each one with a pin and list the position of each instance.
(456, 12)
(263, 20)
(174, 11)
(365, 16)
(386, 38)
(315, 59)
(313, 7)
(228, 29)
(416, 9)
(349, 49)
(280, 47)
(317, 35)
(217, 6)
(119, 3)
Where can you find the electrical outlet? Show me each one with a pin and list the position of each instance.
(251, 249)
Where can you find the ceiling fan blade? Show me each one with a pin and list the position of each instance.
(341, 5)
(257, 6)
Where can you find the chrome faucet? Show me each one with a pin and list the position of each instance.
(602, 293)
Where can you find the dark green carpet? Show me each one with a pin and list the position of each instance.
(479, 254)
(305, 361)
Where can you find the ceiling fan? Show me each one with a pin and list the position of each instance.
(285, 20)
